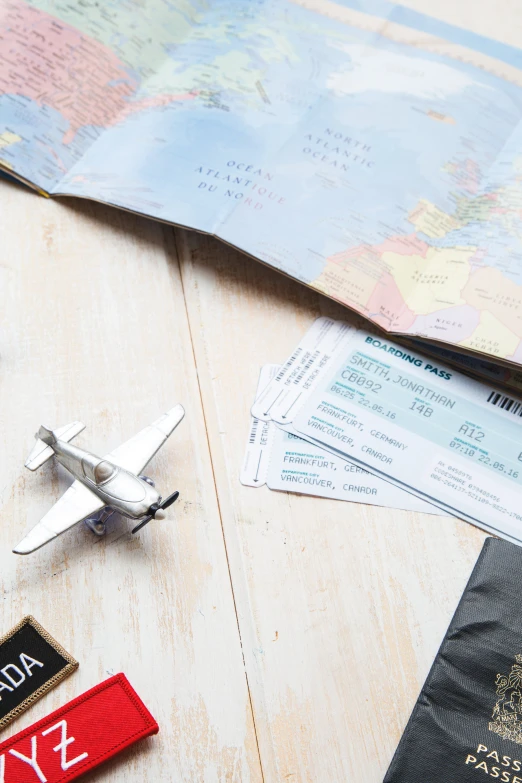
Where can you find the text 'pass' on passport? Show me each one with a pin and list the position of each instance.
(466, 726)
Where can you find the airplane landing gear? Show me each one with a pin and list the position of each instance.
(97, 523)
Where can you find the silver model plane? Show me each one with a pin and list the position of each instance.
(103, 485)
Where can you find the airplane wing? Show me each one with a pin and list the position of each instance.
(136, 453)
(74, 505)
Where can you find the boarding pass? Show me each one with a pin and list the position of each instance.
(455, 441)
(284, 461)
(280, 397)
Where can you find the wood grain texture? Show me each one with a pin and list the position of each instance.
(341, 606)
(274, 637)
(94, 326)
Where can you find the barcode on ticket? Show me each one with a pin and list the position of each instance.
(305, 368)
(253, 431)
(506, 403)
(288, 364)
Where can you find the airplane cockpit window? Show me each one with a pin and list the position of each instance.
(103, 471)
(99, 473)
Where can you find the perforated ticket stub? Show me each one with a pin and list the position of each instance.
(261, 434)
(455, 441)
(285, 462)
(313, 355)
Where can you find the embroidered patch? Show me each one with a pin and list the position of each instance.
(78, 736)
(31, 663)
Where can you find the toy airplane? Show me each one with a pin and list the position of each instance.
(102, 485)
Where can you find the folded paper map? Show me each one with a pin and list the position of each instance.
(369, 151)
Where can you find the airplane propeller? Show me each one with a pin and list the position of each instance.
(156, 511)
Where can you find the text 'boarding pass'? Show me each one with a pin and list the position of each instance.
(453, 440)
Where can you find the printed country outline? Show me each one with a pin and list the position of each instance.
(466, 173)
(162, 26)
(359, 277)
(150, 58)
(346, 269)
(501, 204)
(80, 78)
(491, 295)
(433, 282)
(450, 324)
(7, 138)
(343, 275)
(495, 205)
(398, 280)
(492, 337)
(487, 288)
(385, 296)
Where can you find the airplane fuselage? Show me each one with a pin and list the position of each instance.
(116, 487)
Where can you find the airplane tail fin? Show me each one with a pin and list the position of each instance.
(46, 435)
(45, 438)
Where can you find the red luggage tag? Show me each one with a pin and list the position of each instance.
(78, 736)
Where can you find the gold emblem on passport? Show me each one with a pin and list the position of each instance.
(507, 713)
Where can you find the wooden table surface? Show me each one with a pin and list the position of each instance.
(274, 637)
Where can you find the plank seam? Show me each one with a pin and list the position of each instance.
(217, 499)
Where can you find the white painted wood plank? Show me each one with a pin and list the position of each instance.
(341, 606)
(93, 326)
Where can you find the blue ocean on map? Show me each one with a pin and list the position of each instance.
(198, 164)
(329, 140)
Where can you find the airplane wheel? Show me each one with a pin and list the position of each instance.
(96, 526)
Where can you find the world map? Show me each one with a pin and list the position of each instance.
(372, 153)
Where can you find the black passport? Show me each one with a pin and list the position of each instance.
(467, 722)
